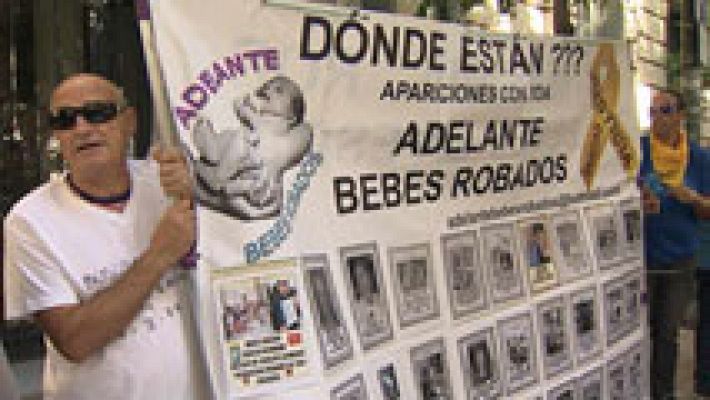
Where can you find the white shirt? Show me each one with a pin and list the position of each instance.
(61, 250)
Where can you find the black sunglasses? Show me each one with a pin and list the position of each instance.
(667, 109)
(96, 112)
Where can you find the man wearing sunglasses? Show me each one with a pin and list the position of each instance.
(90, 256)
(675, 184)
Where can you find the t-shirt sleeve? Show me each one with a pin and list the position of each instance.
(34, 278)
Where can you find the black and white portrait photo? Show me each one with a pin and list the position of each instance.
(479, 364)
(352, 389)
(571, 245)
(518, 356)
(589, 386)
(537, 250)
(389, 385)
(614, 310)
(635, 367)
(332, 333)
(632, 299)
(239, 170)
(413, 283)
(362, 273)
(616, 379)
(585, 319)
(464, 273)
(554, 337)
(500, 257)
(632, 229)
(605, 234)
(431, 371)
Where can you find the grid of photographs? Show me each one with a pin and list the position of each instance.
(431, 372)
(464, 273)
(563, 332)
(518, 356)
(389, 385)
(331, 331)
(585, 320)
(352, 389)
(367, 296)
(536, 242)
(261, 336)
(570, 243)
(501, 259)
(554, 336)
(413, 284)
(604, 228)
(479, 364)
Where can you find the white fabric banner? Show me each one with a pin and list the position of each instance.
(398, 208)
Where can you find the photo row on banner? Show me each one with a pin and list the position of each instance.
(394, 208)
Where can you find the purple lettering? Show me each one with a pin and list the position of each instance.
(208, 80)
(234, 65)
(185, 115)
(196, 96)
(271, 59)
(219, 73)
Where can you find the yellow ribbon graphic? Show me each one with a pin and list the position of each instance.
(605, 124)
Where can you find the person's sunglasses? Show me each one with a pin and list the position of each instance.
(97, 112)
(665, 110)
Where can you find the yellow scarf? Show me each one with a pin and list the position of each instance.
(669, 162)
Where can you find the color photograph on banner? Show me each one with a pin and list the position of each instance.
(448, 231)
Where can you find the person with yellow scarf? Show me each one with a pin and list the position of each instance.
(675, 186)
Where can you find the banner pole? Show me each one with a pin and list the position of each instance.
(164, 124)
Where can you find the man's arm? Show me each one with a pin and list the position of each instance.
(699, 202)
(78, 331)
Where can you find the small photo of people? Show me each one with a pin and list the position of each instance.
(541, 269)
(256, 307)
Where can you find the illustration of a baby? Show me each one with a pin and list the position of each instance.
(240, 171)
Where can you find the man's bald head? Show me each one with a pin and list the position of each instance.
(82, 82)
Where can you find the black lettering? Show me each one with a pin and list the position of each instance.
(380, 44)
(345, 199)
(408, 139)
(561, 168)
(461, 182)
(411, 60)
(484, 172)
(434, 139)
(362, 35)
(468, 55)
(435, 50)
(434, 185)
(368, 191)
(307, 51)
(502, 177)
(413, 185)
(455, 135)
(390, 189)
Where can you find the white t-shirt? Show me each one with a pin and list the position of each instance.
(61, 250)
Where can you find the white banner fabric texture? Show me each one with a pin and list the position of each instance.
(395, 208)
